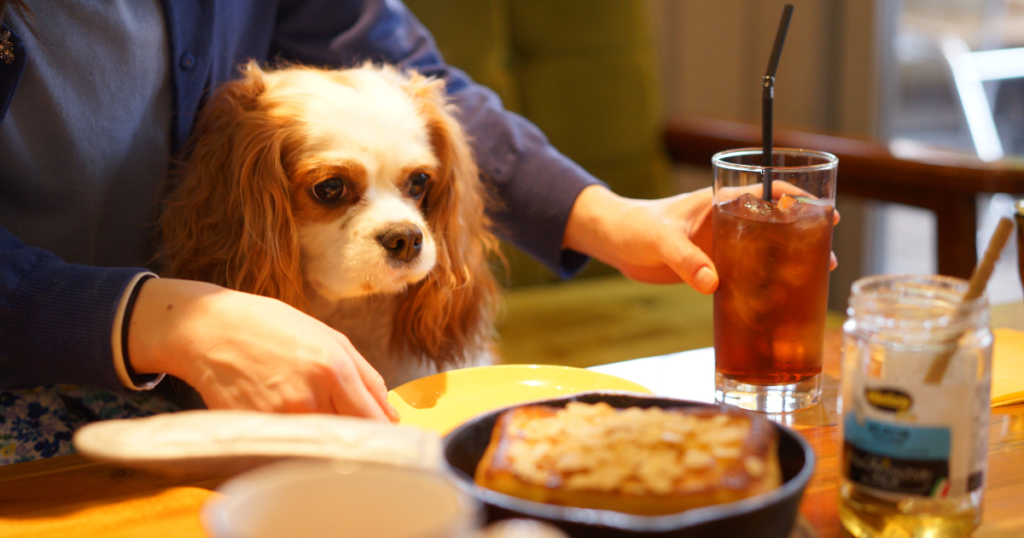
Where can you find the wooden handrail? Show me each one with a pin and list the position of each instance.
(867, 165)
(944, 182)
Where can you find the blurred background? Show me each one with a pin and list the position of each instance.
(603, 77)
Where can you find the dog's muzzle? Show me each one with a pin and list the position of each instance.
(402, 242)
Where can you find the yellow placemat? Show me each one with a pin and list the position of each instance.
(1007, 367)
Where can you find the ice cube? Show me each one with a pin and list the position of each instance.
(748, 206)
(787, 202)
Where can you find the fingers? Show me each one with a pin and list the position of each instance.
(353, 399)
(691, 266)
(652, 275)
(369, 379)
(350, 394)
(783, 187)
(833, 262)
(374, 384)
(779, 188)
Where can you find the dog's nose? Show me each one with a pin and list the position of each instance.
(402, 241)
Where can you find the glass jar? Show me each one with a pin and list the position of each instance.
(914, 451)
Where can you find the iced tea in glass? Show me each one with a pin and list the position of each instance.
(772, 258)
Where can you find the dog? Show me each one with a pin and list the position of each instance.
(351, 195)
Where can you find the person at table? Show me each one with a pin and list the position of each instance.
(95, 100)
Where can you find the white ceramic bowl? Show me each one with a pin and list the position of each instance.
(340, 499)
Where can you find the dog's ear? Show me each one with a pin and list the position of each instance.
(229, 221)
(449, 316)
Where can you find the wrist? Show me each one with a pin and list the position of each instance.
(129, 378)
(162, 329)
(588, 228)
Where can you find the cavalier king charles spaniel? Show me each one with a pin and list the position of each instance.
(351, 195)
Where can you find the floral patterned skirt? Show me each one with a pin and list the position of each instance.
(38, 423)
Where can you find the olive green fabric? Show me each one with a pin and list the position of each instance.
(475, 36)
(582, 71)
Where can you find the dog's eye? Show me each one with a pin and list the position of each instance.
(418, 184)
(329, 190)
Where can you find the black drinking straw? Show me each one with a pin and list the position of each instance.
(767, 94)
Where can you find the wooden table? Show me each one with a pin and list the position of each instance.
(690, 375)
(69, 496)
(1004, 490)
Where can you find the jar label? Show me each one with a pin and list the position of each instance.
(913, 438)
(896, 457)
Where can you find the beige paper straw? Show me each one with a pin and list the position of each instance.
(979, 279)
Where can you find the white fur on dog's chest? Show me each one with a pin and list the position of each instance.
(367, 323)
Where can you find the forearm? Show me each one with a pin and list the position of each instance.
(587, 230)
(56, 318)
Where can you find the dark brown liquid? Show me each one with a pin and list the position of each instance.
(772, 294)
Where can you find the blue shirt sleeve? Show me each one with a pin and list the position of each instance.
(56, 318)
(535, 184)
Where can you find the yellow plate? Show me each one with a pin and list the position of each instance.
(443, 401)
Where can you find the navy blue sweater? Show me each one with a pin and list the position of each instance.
(56, 318)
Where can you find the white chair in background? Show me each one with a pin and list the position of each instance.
(980, 41)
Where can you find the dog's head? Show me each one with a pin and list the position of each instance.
(340, 183)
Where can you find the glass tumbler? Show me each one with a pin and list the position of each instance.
(772, 258)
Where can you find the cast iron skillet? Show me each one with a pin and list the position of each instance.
(769, 515)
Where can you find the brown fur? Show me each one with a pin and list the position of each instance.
(231, 221)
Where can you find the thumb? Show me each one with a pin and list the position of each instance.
(694, 267)
(689, 265)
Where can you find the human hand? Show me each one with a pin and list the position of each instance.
(656, 241)
(242, 351)
(661, 241)
(780, 188)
